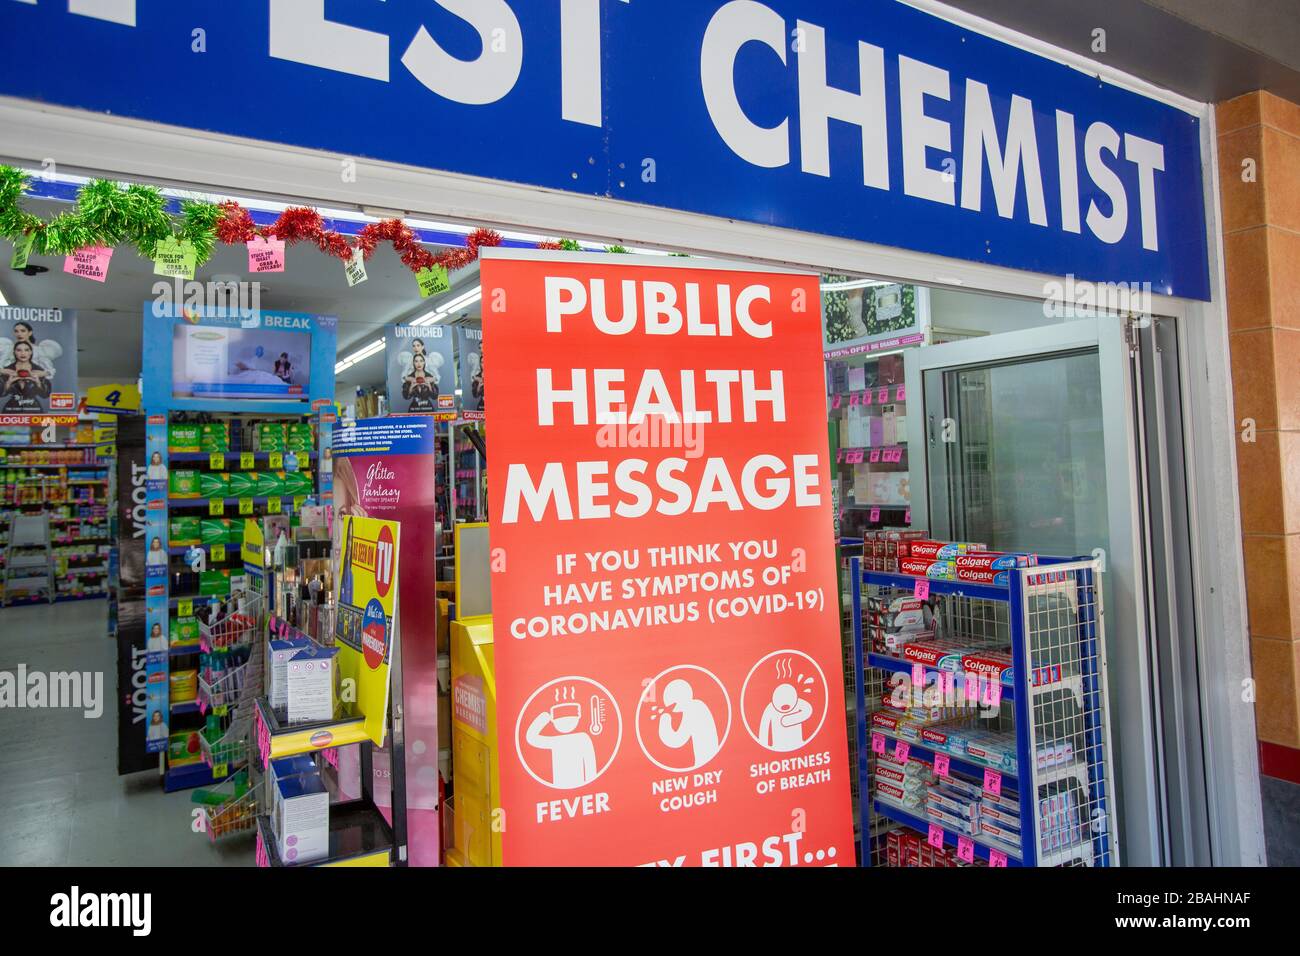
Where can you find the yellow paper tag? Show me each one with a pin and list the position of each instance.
(216, 507)
(298, 502)
(185, 609)
(273, 506)
(245, 506)
(216, 461)
(218, 553)
(276, 460)
(245, 460)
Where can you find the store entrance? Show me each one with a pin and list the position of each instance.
(1029, 442)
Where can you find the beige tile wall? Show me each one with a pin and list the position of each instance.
(1261, 237)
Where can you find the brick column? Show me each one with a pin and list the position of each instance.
(1259, 172)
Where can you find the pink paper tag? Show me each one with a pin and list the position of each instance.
(918, 675)
(875, 515)
(877, 743)
(907, 516)
(835, 400)
(866, 398)
(902, 751)
(997, 858)
(966, 849)
(875, 455)
(935, 836)
(941, 764)
(265, 255)
(993, 782)
(89, 263)
(922, 590)
(882, 396)
(900, 395)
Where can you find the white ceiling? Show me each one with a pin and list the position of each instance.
(110, 313)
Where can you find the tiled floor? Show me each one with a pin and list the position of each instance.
(61, 800)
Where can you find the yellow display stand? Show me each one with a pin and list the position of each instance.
(476, 840)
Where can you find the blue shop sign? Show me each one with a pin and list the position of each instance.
(864, 119)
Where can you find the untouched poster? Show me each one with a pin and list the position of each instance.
(38, 360)
(383, 468)
(666, 626)
(469, 347)
(421, 373)
(366, 623)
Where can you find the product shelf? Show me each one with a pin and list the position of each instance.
(922, 825)
(276, 740)
(1050, 615)
(258, 456)
(359, 836)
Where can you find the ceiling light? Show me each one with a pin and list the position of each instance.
(364, 352)
(853, 284)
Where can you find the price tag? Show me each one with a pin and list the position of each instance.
(882, 396)
(866, 398)
(216, 507)
(185, 608)
(854, 399)
(922, 590)
(875, 515)
(220, 770)
(298, 502)
(935, 836)
(218, 553)
(902, 751)
(855, 456)
(900, 394)
(966, 849)
(941, 764)
(918, 675)
(275, 460)
(216, 461)
(245, 506)
(839, 456)
(273, 506)
(877, 743)
(875, 455)
(907, 516)
(993, 783)
(835, 400)
(246, 460)
(997, 858)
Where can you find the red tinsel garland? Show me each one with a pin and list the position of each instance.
(300, 224)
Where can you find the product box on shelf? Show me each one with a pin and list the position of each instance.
(184, 483)
(279, 651)
(270, 484)
(184, 531)
(302, 818)
(221, 531)
(214, 484)
(184, 630)
(310, 684)
(183, 439)
(214, 582)
(214, 437)
(242, 484)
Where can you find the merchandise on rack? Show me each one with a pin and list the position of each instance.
(982, 706)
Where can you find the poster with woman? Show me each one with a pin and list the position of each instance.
(38, 360)
(469, 346)
(421, 375)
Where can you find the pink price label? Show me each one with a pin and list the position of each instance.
(875, 455)
(993, 782)
(918, 675)
(941, 764)
(875, 515)
(900, 394)
(922, 590)
(839, 457)
(835, 400)
(877, 743)
(855, 399)
(966, 849)
(866, 398)
(882, 396)
(997, 858)
(902, 751)
(855, 456)
(935, 836)
(907, 516)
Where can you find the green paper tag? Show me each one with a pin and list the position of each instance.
(22, 251)
(355, 269)
(175, 258)
(432, 281)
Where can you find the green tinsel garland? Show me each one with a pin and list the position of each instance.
(106, 214)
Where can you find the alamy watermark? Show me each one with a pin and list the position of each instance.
(1079, 299)
(57, 690)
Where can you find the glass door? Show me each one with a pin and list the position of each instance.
(1029, 445)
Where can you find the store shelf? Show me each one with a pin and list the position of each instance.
(186, 707)
(959, 764)
(897, 665)
(287, 740)
(260, 456)
(359, 836)
(922, 826)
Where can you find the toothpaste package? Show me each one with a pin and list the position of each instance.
(939, 550)
(950, 821)
(992, 752)
(942, 653)
(1000, 833)
(993, 561)
(952, 802)
(980, 576)
(990, 664)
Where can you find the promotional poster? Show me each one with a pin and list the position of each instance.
(38, 360)
(213, 362)
(666, 621)
(421, 374)
(469, 346)
(877, 316)
(365, 627)
(382, 469)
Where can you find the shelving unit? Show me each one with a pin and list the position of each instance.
(1056, 718)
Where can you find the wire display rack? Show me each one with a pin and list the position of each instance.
(236, 811)
(1010, 765)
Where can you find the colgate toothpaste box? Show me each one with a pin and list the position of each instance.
(994, 665)
(925, 550)
(941, 652)
(916, 567)
(994, 560)
(980, 576)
